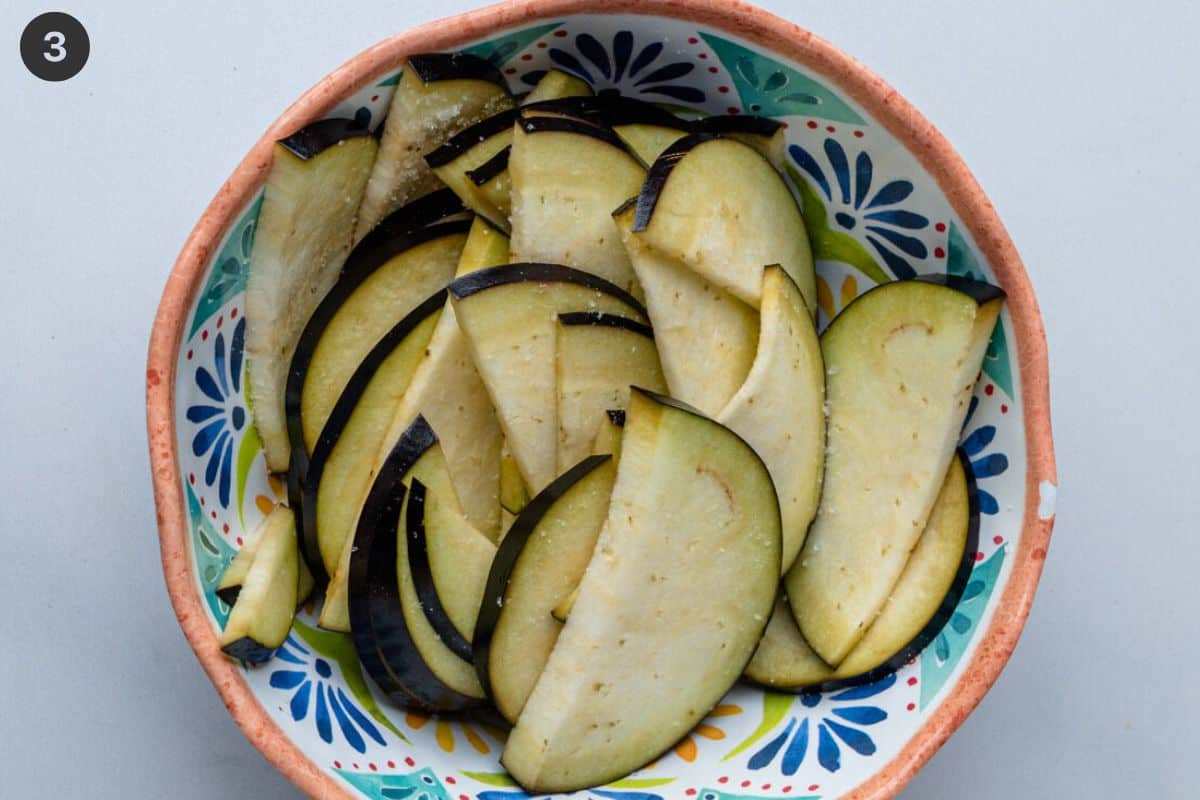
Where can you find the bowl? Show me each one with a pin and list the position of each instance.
(886, 197)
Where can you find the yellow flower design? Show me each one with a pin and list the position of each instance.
(444, 732)
(825, 299)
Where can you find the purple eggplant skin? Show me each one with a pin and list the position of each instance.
(312, 140)
(606, 320)
(490, 168)
(579, 126)
(740, 123)
(374, 588)
(509, 552)
(483, 279)
(418, 562)
(660, 171)
(248, 650)
(305, 509)
(979, 291)
(229, 594)
(407, 227)
(616, 417)
(431, 67)
(463, 141)
(611, 109)
(940, 617)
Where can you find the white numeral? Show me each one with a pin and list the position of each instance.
(56, 52)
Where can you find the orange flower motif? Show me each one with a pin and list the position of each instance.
(687, 748)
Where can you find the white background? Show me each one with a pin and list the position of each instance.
(1080, 119)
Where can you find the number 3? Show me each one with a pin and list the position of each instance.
(56, 51)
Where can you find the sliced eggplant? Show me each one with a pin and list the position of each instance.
(471, 160)
(922, 602)
(448, 391)
(555, 85)
(644, 127)
(230, 585)
(764, 134)
(901, 363)
(598, 357)
(608, 437)
(513, 494)
(450, 561)
(508, 315)
(262, 616)
(567, 177)
(340, 472)
(438, 96)
(432, 677)
(670, 609)
(301, 239)
(706, 337)
(779, 410)
(487, 246)
(719, 207)
(387, 275)
(541, 559)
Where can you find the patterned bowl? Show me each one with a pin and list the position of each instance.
(885, 197)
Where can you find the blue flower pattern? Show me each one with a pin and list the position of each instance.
(309, 681)
(622, 66)
(220, 416)
(834, 721)
(983, 466)
(886, 226)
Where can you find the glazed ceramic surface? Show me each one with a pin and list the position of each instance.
(875, 214)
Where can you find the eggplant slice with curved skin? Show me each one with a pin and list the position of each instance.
(450, 561)
(474, 163)
(262, 616)
(301, 239)
(449, 393)
(567, 177)
(542, 557)
(901, 363)
(924, 599)
(431, 676)
(411, 255)
(689, 554)
(229, 588)
(438, 96)
(423, 582)
(779, 410)
(707, 339)
(597, 358)
(747, 217)
(339, 476)
(508, 315)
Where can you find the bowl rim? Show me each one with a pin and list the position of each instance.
(750, 23)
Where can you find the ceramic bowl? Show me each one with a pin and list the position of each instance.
(886, 197)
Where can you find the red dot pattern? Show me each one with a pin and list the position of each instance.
(989, 390)
(812, 125)
(408, 760)
(450, 780)
(911, 706)
(912, 681)
(939, 252)
(560, 34)
(858, 134)
(940, 227)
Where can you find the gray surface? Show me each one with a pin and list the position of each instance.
(1081, 126)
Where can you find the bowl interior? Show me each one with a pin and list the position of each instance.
(875, 215)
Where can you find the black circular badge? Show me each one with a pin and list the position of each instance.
(55, 46)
